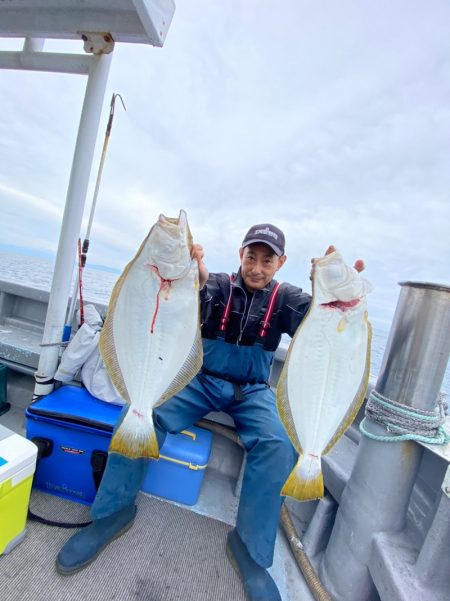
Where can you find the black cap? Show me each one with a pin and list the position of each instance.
(265, 233)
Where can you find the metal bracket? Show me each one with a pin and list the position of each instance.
(97, 43)
(446, 483)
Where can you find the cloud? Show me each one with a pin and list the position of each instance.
(331, 121)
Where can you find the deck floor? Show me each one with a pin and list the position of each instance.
(170, 554)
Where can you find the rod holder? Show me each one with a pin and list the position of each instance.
(418, 347)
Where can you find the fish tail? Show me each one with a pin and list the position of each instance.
(305, 482)
(136, 436)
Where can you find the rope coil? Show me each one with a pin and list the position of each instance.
(405, 422)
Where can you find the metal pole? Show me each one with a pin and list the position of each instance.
(71, 224)
(377, 494)
(33, 45)
(32, 59)
(73, 302)
(419, 346)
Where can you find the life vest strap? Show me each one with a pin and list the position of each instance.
(265, 324)
(226, 314)
(268, 315)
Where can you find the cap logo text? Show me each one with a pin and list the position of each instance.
(267, 232)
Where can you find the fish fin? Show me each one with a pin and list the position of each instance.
(360, 395)
(136, 436)
(305, 482)
(189, 369)
(283, 406)
(106, 343)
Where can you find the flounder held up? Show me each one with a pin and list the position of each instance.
(151, 342)
(326, 372)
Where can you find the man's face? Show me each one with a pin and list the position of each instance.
(258, 265)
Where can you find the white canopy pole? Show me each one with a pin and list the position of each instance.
(32, 59)
(71, 224)
(100, 26)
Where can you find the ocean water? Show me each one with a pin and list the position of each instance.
(98, 284)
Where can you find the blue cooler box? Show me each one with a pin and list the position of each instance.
(178, 473)
(76, 428)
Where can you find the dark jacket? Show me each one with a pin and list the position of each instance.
(247, 311)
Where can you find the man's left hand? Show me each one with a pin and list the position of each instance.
(359, 263)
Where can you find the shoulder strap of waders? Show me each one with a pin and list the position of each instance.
(265, 324)
(226, 314)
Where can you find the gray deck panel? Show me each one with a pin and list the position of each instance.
(169, 554)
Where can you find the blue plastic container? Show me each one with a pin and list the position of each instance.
(178, 473)
(78, 428)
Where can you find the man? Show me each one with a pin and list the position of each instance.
(243, 318)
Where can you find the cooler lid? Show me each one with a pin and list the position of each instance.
(75, 405)
(191, 448)
(16, 452)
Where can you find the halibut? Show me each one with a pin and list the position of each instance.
(325, 376)
(151, 342)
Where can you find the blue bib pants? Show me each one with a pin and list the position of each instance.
(270, 454)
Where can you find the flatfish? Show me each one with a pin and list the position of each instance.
(150, 342)
(326, 372)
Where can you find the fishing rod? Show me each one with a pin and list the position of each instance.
(83, 249)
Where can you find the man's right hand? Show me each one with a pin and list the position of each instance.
(203, 273)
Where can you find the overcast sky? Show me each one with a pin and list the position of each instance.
(329, 119)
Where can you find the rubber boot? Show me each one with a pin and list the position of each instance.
(84, 546)
(258, 584)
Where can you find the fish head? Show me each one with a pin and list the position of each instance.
(335, 281)
(169, 246)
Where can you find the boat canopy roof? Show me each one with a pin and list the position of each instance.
(136, 21)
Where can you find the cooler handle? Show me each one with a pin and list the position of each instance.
(44, 445)
(98, 464)
(192, 435)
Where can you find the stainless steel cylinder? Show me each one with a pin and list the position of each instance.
(418, 348)
(377, 494)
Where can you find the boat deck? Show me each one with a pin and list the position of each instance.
(169, 554)
(173, 552)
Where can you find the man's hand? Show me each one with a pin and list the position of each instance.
(203, 273)
(359, 263)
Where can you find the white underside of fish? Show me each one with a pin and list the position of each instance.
(326, 368)
(150, 362)
(322, 386)
(151, 347)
